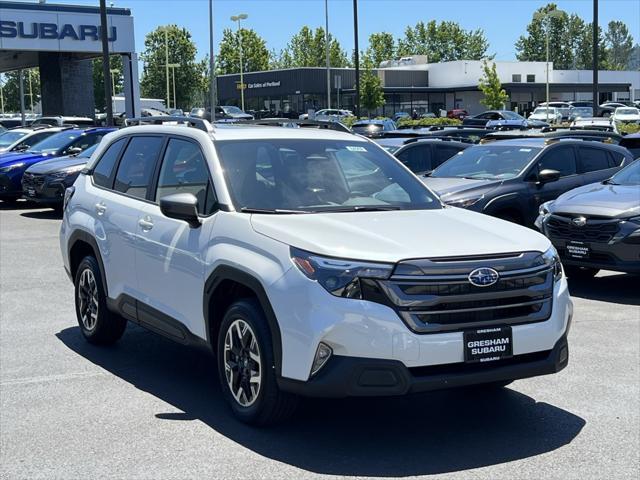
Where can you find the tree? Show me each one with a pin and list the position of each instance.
(115, 64)
(494, 95)
(584, 54)
(182, 50)
(634, 58)
(381, 47)
(619, 44)
(11, 89)
(255, 55)
(443, 42)
(307, 48)
(371, 93)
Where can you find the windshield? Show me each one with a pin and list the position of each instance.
(512, 116)
(627, 111)
(88, 152)
(367, 127)
(232, 110)
(9, 138)
(487, 162)
(543, 110)
(629, 175)
(54, 143)
(295, 175)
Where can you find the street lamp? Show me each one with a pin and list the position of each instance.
(238, 18)
(326, 48)
(542, 16)
(113, 72)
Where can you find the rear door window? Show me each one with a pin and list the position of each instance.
(103, 171)
(444, 153)
(416, 158)
(592, 159)
(137, 165)
(561, 159)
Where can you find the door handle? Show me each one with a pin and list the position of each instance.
(145, 223)
(101, 208)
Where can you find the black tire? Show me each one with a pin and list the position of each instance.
(97, 324)
(580, 273)
(269, 405)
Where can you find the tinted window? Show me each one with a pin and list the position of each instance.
(416, 158)
(444, 153)
(85, 141)
(7, 138)
(592, 159)
(137, 164)
(561, 159)
(184, 170)
(629, 175)
(33, 139)
(104, 168)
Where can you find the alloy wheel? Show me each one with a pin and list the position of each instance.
(88, 299)
(242, 363)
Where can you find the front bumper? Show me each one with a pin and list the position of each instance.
(356, 377)
(9, 188)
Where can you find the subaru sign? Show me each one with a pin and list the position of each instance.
(51, 31)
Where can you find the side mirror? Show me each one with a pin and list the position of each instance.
(181, 206)
(22, 148)
(74, 151)
(548, 175)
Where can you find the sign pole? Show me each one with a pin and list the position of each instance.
(108, 94)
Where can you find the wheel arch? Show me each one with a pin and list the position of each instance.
(227, 284)
(82, 244)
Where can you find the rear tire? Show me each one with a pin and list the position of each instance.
(97, 324)
(580, 273)
(247, 369)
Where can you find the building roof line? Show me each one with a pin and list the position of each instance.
(52, 7)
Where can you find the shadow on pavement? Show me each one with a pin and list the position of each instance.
(48, 214)
(619, 288)
(426, 434)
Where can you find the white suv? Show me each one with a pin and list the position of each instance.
(311, 262)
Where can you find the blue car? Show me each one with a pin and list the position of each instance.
(68, 142)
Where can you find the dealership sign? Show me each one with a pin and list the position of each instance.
(52, 31)
(264, 84)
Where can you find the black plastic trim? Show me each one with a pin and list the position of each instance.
(81, 235)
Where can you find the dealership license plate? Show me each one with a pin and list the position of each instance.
(488, 344)
(31, 192)
(578, 250)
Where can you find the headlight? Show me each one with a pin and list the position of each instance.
(464, 203)
(13, 166)
(552, 259)
(544, 208)
(339, 277)
(68, 171)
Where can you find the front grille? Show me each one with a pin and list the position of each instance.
(32, 180)
(435, 295)
(595, 230)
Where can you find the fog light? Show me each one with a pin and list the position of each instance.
(323, 353)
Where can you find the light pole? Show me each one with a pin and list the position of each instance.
(238, 18)
(30, 91)
(104, 40)
(542, 16)
(357, 58)
(212, 73)
(1, 96)
(326, 47)
(166, 62)
(113, 71)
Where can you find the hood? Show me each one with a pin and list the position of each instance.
(56, 164)
(601, 200)
(447, 187)
(541, 116)
(16, 157)
(398, 235)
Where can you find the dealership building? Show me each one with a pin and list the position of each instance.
(62, 40)
(412, 83)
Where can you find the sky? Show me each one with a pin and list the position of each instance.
(503, 21)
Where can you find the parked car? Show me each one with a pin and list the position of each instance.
(511, 178)
(61, 121)
(581, 103)
(176, 112)
(328, 114)
(546, 114)
(67, 142)
(422, 155)
(13, 122)
(557, 133)
(428, 115)
(481, 119)
(45, 182)
(21, 139)
(626, 115)
(400, 115)
(597, 226)
(457, 132)
(580, 112)
(459, 113)
(373, 128)
(632, 143)
(600, 123)
(235, 113)
(310, 262)
(608, 109)
(564, 108)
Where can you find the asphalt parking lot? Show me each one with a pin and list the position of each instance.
(148, 408)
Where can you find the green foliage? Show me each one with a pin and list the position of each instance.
(307, 49)
(619, 44)
(628, 128)
(381, 47)
(428, 122)
(182, 50)
(494, 95)
(255, 55)
(115, 63)
(371, 93)
(443, 42)
(11, 89)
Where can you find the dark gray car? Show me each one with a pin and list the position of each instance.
(510, 179)
(597, 226)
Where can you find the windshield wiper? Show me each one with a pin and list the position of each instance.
(271, 210)
(361, 208)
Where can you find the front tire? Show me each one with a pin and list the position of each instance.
(246, 367)
(97, 324)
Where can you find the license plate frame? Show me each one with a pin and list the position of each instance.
(490, 344)
(578, 250)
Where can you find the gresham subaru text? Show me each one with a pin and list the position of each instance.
(312, 262)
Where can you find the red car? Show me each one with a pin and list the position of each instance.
(458, 113)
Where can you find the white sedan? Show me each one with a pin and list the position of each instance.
(626, 115)
(546, 114)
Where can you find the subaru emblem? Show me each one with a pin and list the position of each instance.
(579, 221)
(483, 277)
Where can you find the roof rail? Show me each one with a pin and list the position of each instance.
(291, 122)
(194, 122)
